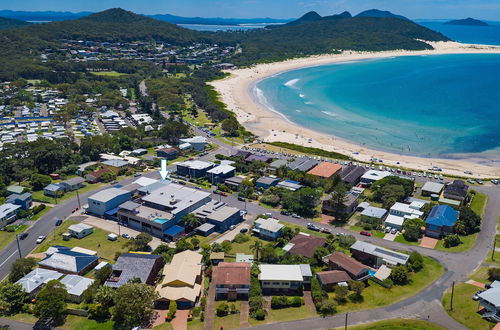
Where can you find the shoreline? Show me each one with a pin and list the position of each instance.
(268, 125)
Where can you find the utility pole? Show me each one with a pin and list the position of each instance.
(494, 248)
(345, 327)
(119, 233)
(18, 246)
(78, 197)
(452, 294)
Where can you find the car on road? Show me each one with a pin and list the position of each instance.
(312, 226)
(268, 214)
(223, 194)
(232, 227)
(40, 239)
(326, 230)
(59, 222)
(242, 199)
(495, 181)
(243, 230)
(23, 235)
(197, 187)
(137, 174)
(394, 231)
(296, 216)
(284, 212)
(365, 233)
(126, 236)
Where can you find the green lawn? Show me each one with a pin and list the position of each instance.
(467, 243)
(109, 73)
(40, 197)
(378, 296)
(398, 324)
(231, 321)
(163, 326)
(480, 275)
(284, 314)
(23, 317)
(98, 241)
(464, 308)
(42, 213)
(74, 322)
(195, 324)
(6, 237)
(402, 239)
(478, 203)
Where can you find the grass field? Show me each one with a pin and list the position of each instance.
(283, 315)
(6, 237)
(40, 197)
(464, 308)
(74, 322)
(109, 73)
(480, 275)
(398, 324)
(378, 296)
(231, 321)
(98, 241)
(467, 243)
(401, 239)
(478, 203)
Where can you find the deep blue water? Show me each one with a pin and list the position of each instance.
(488, 35)
(439, 105)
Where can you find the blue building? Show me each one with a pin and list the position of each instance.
(53, 190)
(266, 182)
(440, 221)
(107, 200)
(24, 200)
(224, 217)
(194, 168)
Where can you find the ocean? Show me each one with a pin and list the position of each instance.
(487, 35)
(432, 106)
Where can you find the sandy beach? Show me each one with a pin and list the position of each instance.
(270, 126)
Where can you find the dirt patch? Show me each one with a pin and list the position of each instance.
(428, 242)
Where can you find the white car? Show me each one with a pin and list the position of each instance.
(40, 239)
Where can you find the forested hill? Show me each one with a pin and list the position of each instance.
(329, 35)
(9, 23)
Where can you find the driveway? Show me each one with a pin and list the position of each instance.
(117, 229)
(231, 234)
(428, 242)
(390, 237)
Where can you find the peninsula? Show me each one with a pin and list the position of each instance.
(467, 22)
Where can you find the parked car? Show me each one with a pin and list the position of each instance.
(365, 233)
(137, 174)
(223, 194)
(243, 230)
(242, 199)
(495, 181)
(296, 216)
(388, 229)
(312, 226)
(40, 239)
(470, 181)
(326, 230)
(59, 222)
(268, 214)
(23, 235)
(285, 212)
(394, 231)
(126, 236)
(479, 181)
(232, 227)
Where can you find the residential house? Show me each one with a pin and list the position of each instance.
(440, 221)
(258, 158)
(107, 200)
(220, 173)
(194, 168)
(24, 200)
(266, 182)
(36, 279)
(139, 152)
(490, 300)
(205, 229)
(95, 176)
(268, 228)
(373, 175)
(432, 188)
(350, 204)
(231, 280)
(15, 189)
(234, 182)
(302, 164)
(373, 214)
(216, 258)
(376, 256)
(276, 164)
(408, 211)
(325, 170)
(304, 245)
(76, 286)
(456, 190)
(53, 190)
(351, 174)
(330, 278)
(8, 213)
(72, 184)
(341, 261)
(167, 153)
(69, 262)
(284, 278)
(290, 185)
(181, 280)
(129, 266)
(80, 230)
(198, 143)
(116, 164)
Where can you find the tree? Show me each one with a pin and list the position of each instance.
(327, 307)
(141, 242)
(412, 229)
(416, 261)
(268, 254)
(346, 241)
(103, 274)
(14, 295)
(105, 295)
(357, 287)
(468, 222)
(257, 248)
(137, 300)
(400, 275)
(226, 246)
(172, 309)
(108, 177)
(222, 309)
(51, 301)
(39, 181)
(183, 245)
(494, 274)
(191, 221)
(341, 294)
(319, 254)
(230, 126)
(21, 267)
(195, 242)
(451, 240)
(337, 202)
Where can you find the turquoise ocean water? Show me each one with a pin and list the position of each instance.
(438, 105)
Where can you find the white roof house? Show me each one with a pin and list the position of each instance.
(373, 175)
(145, 181)
(405, 210)
(79, 227)
(374, 212)
(34, 280)
(221, 169)
(271, 224)
(76, 285)
(385, 255)
(433, 187)
(394, 221)
(106, 195)
(196, 164)
(284, 272)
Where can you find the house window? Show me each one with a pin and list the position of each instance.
(267, 283)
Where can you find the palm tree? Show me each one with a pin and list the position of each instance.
(191, 220)
(257, 247)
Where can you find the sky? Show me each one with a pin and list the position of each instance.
(414, 9)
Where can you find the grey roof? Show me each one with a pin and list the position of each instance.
(106, 195)
(389, 256)
(68, 261)
(374, 212)
(129, 205)
(133, 266)
(236, 180)
(76, 285)
(115, 162)
(38, 277)
(433, 187)
(53, 187)
(492, 296)
(21, 197)
(8, 208)
(205, 227)
(221, 169)
(223, 213)
(305, 269)
(152, 187)
(73, 181)
(267, 180)
(303, 164)
(183, 197)
(278, 163)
